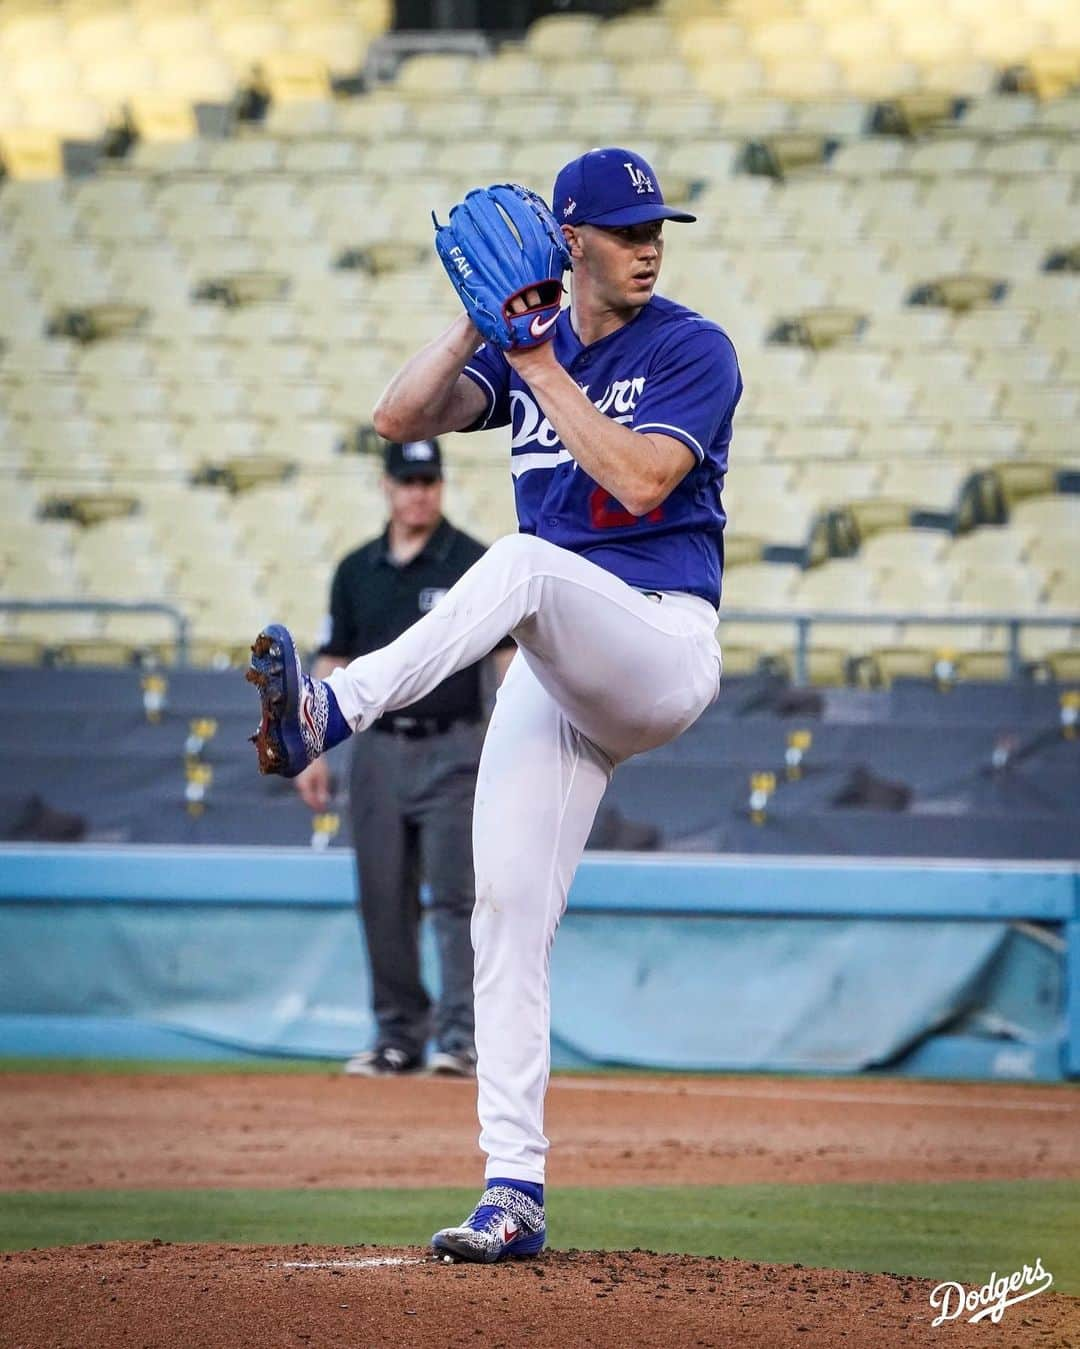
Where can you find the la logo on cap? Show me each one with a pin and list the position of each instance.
(418, 449)
(640, 179)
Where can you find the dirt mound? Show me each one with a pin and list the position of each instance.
(233, 1131)
(155, 1295)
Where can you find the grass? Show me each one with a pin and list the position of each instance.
(180, 1067)
(263, 1063)
(960, 1231)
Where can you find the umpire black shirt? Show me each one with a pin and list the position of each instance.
(373, 599)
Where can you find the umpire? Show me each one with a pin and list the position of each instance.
(412, 783)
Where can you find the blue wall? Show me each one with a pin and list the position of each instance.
(664, 961)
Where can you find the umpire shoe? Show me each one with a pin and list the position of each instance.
(505, 1225)
(452, 1063)
(387, 1062)
(295, 707)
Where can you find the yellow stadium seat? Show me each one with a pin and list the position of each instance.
(833, 483)
(708, 38)
(44, 73)
(569, 78)
(445, 119)
(419, 75)
(858, 38)
(246, 39)
(757, 439)
(1060, 114)
(909, 588)
(301, 117)
(634, 36)
(204, 77)
(783, 39)
(992, 327)
(25, 651)
(31, 31)
(990, 547)
(897, 548)
(295, 77)
(730, 78)
(509, 73)
(340, 40)
(843, 584)
(927, 41)
(776, 520)
(163, 117)
(932, 484)
(868, 158)
(31, 154)
(886, 78)
(654, 78)
(960, 77)
(384, 113)
(761, 585)
(99, 30)
(562, 37)
(1042, 402)
(998, 589)
(176, 33)
(804, 78)
(1032, 154)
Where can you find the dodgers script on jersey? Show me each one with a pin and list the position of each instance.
(669, 371)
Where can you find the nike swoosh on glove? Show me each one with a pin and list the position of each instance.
(503, 244)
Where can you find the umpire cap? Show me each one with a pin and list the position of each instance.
(610, 187)
(413, 459)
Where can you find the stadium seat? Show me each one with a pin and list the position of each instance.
(337, 39)
(844, 585)
(908, 588)
(30, 154)
(997, 589)
(563, 37)
(510, 72)
(726, 79)
(764, 585)
(895, 548)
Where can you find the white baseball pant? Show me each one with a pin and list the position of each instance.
(603, 672)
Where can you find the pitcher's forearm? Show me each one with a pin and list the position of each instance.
(424, 398)
(638, 470)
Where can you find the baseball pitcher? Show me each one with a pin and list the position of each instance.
(619, 409)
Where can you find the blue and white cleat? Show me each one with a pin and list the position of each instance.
(505, 1225)
(295, 707)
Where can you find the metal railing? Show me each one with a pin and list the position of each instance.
(803, 621)
(178, 619)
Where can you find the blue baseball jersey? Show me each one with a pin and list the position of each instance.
(669, 371)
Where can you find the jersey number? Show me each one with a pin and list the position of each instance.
(606, 513)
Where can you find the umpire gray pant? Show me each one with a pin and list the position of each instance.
(411, 803)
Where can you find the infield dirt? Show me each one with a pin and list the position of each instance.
(158, 1131)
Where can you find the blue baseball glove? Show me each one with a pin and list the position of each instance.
(503, 245)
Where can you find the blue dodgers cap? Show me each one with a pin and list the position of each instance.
(610, 187)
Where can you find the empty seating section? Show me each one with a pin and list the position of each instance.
(191, 335)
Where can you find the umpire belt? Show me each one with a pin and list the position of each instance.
(418, 728)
